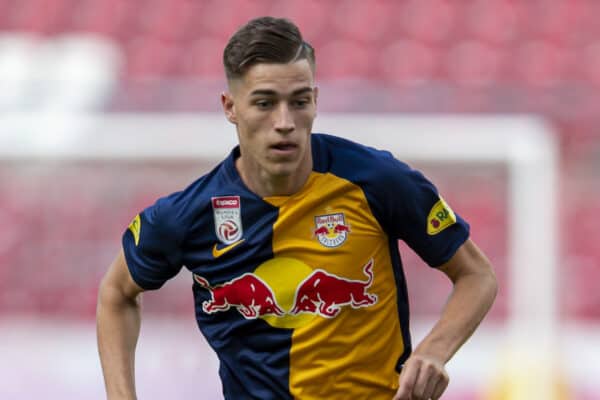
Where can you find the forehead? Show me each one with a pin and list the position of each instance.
(281, 78)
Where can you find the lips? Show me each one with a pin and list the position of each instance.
(283, 150)
(284, 146)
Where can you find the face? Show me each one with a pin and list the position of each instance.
(273, 107)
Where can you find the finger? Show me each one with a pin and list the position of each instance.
(440, 387)
(427, 374)
(429, 387)
(408, 377)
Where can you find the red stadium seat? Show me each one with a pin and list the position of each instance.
(581, 269)
(407, 62)
(557, 22)
(344, 59)
(313, 17)
(113, 18)
(6, 16)
(431, 21)
(43, 17)
(202, 59)
(540, 63)
(150, 57)
(473, 63)
(170, 20)
(495, 21)
(590, 63)
(588, 28)
(361, 21)
(222, 18)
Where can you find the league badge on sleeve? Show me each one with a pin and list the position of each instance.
(440, 217)
(135, 226)
(228, 218)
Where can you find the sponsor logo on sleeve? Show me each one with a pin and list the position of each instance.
(228, 218)
(440, 217)
(135, 226)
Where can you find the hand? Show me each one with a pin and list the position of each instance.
(422, 378)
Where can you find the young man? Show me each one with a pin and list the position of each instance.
(292, 242)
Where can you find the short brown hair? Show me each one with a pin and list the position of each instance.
(265, 40)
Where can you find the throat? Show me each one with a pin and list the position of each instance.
(266, 184)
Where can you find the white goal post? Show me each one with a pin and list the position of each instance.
(525, 145)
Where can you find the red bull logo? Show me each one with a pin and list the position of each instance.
(319, 293)
(249, 294)
(331, 229)
(325, 293)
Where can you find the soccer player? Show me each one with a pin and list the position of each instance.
(292, 244)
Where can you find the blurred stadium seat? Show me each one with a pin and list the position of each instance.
(408, 62)
(345, 60)
(60, 221)
(473, 63)
(496, 56)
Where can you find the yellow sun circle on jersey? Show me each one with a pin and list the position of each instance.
(284, 275)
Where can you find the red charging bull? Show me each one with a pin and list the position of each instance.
(249, 294)
(322, 230)
(339, 228)
(325, 293)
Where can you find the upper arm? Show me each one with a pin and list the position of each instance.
(468, 260)
(119, 278)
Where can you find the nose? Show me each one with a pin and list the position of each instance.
(284, 120)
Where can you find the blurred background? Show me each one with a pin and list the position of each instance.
(78, 78)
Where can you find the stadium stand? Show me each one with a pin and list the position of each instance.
(481, 56)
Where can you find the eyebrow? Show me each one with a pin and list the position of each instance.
(269, 92)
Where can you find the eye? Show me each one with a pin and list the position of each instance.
(300, 103)
(264, 104)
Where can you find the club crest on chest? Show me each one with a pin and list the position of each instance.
(331, 230)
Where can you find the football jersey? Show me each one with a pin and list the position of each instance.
(300, 296)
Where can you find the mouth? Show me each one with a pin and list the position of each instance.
(283, 147)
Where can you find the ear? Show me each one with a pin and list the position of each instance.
(315, 96)
(228, 107)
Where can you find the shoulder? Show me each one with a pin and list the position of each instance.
(356, 162)
(175, 213)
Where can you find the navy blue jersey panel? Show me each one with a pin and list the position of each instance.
(403, 302)
(155, 256)
(253, 356)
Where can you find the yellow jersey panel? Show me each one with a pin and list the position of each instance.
(350, 288)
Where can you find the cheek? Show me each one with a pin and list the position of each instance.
(254, 122)
(305, 119)
(249, 132)
(246, 127)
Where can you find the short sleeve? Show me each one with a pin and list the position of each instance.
(152, 246)
(409, 207)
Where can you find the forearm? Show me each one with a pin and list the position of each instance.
(118, 327)
(471, 298)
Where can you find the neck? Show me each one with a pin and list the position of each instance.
(266, 185)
